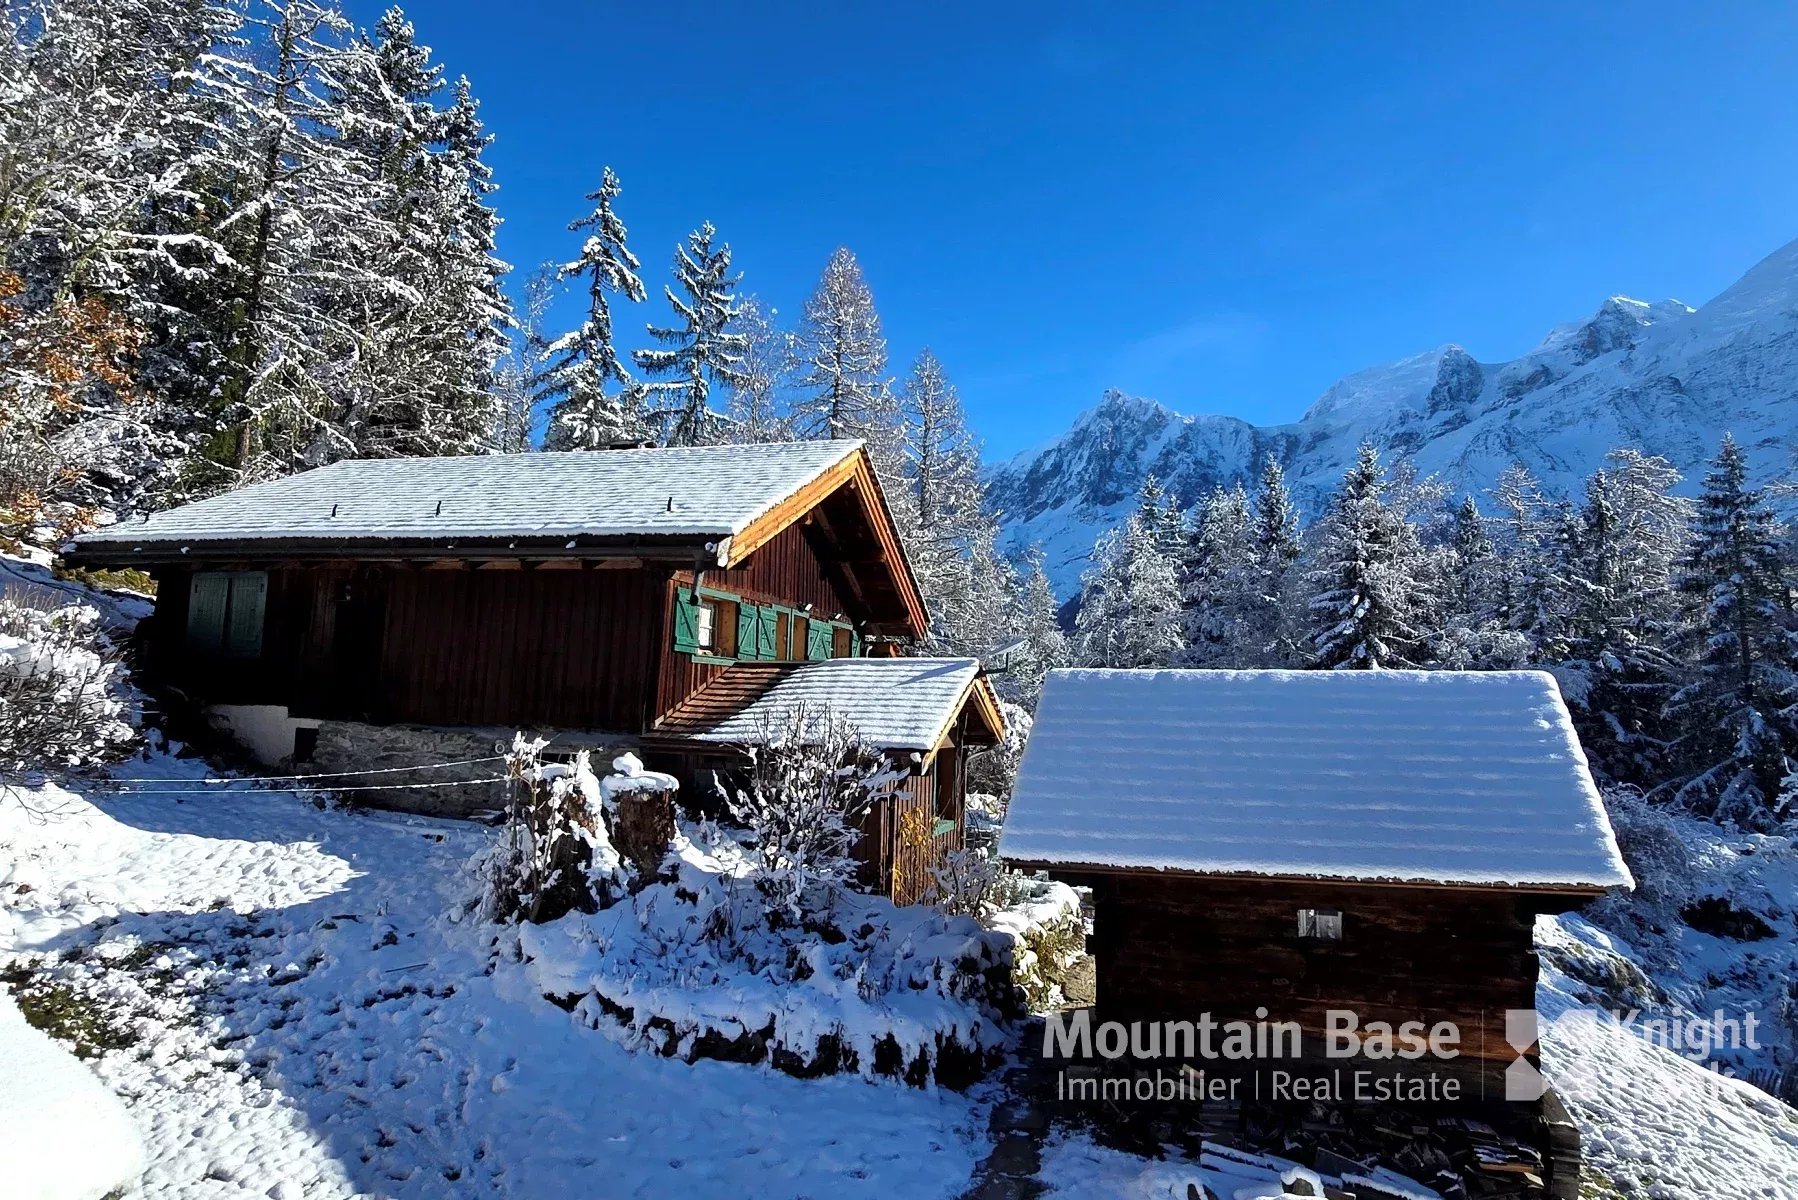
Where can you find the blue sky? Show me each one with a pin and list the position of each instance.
(1223, 207)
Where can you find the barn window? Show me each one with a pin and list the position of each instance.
(1321, 924)
(225, 611)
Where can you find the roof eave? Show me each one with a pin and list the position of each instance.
(1587, 890)
(681, 548)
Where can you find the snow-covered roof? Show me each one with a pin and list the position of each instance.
(895, 703)
(1429, 776)
(700, 491)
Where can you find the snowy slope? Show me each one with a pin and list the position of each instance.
(315, 1023)
(1661, 377)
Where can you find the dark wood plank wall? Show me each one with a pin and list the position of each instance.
(586, 649)
(786, 571)
(894, 860)
(568, 648)
(1173, 947)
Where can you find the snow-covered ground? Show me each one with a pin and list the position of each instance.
(316, 1016)
(315, 1021)
(1655, 1124)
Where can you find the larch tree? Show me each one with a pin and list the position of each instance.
(1740, 712)
(1368, 577)
(842, 388)
(582, 367)
(757, 401)
(703, 350)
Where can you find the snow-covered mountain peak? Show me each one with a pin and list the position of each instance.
(1386, 390)
(1658, 376)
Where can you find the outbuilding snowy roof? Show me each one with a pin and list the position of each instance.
(1425, 776)
(895, 703)
(700, 491)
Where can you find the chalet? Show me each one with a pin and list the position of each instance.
(397, 612)
(1376, 841)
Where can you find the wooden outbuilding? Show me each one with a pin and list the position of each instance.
(396, 612)
(1276, 845)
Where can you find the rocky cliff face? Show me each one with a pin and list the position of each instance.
(1662, 377)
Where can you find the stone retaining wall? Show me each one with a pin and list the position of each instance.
(349, 746)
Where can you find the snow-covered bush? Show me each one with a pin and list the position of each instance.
(811, 780)
(64, 698)
(696, 965)
(967, 883)
(1658, 856)
(1043, 920)
(557, 855)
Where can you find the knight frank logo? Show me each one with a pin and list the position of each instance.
(1522, 1080)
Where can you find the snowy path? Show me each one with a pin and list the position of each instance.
(315, 1026)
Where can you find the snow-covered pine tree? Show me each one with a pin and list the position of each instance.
(582, 365)
(431, 314)
(1621, 613)
(1471, 635)
(1220, 584)
(1368, 577)
(941, 456)
(1740, 712)
(1276, 548)
(1161, 508)
(1520, 536)
(106, 113)
(757, 411)
(842, 385)
(940, 506)
(515, 378)
(1130, 599)
(293, 233)
(703, 350)
(1045, 646)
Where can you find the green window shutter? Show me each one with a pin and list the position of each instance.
(818, 637)
(249, 601)
(206, 596)
(855, 644)
(747, 647)
(766, 642)
(686, 623)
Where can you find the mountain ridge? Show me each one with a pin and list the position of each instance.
(1659, 376)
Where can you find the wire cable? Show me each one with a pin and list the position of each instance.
(460, 762)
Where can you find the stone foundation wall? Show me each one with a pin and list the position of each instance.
(354, 746)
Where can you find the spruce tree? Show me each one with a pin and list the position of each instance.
(1276, 547)
(1221, 583)
(1740, 712)
(1130, 599)
(582, 366)
(704, 350)
(1367, 578)
(1038, 621)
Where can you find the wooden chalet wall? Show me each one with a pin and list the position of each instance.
(787, 571)
(574, 648)
(569, 646)
(1172, 947)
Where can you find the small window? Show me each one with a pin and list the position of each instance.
(1321, 924)
(705, 626)
(842, 644)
